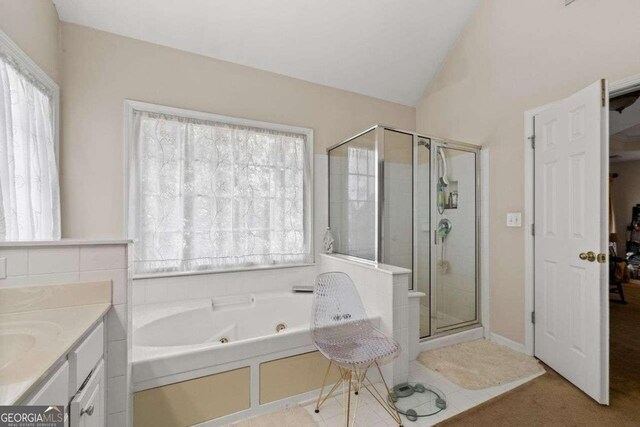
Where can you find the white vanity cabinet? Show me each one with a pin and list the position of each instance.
(55, 390)
(87, 381)
(78, 383)
(88, 406)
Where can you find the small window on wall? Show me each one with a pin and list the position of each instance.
(211, 193)
(29, 189)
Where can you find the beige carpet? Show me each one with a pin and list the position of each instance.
(480, 364)
(550, 400)
(292, 417)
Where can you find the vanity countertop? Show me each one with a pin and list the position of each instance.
(34, 343)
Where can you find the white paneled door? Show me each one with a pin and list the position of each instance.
(571, 239)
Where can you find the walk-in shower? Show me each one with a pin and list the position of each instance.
(400, 198)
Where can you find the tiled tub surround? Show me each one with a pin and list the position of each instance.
(178, 342)
(39, 325)
(71, 261)
(171, 289)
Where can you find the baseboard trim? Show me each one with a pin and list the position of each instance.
(457, 338)
(513, 345)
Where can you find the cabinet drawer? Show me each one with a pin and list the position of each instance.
(55, 390)
(84, 358)
(87, 409)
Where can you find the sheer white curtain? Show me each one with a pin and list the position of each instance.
(29, 192)
(206, 195)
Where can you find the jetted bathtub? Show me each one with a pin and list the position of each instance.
(182, 340)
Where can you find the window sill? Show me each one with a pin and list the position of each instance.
(220, 271)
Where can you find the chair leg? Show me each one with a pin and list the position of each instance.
(358, 384)
(348, 398)
(359, 379)
(383, 401)
(392, 404)
(355, 381)
(321, 399)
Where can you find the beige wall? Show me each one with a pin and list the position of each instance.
(33, 25)
(101, 70)
(513, 56)
(626, 194)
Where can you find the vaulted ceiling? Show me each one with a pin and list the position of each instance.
(388, 49)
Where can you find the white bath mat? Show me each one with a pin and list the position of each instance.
(480, 364)
(292, 417)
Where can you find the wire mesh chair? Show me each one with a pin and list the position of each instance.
(343, 333)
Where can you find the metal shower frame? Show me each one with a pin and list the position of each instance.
(432, 143)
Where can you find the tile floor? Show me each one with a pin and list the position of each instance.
(370, 414)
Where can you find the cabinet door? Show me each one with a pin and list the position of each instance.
(55, 391)
(87, 408)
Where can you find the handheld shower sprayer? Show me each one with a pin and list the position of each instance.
(443, 181)
(443, 160)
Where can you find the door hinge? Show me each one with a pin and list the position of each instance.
(533, 229)
(532, 138)
(603, 87)
(533, 317)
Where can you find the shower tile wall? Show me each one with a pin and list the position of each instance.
(398, 184)
(398, 200)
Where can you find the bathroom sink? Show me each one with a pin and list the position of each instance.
(19, 340)
(14, 346)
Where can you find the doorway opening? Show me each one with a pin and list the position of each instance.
(624, 246)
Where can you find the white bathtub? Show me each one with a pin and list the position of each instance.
(178, 341)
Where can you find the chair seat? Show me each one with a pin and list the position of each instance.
(360, 349)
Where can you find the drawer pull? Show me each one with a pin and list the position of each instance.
(88, 411)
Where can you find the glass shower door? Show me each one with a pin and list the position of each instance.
(454, 224)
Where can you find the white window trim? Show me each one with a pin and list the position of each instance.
(11, 48)
(130, 106)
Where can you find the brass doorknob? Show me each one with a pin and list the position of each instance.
(588, 256)
(602, 258)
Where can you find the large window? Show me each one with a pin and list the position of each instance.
(209, 192)
(29, 191)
